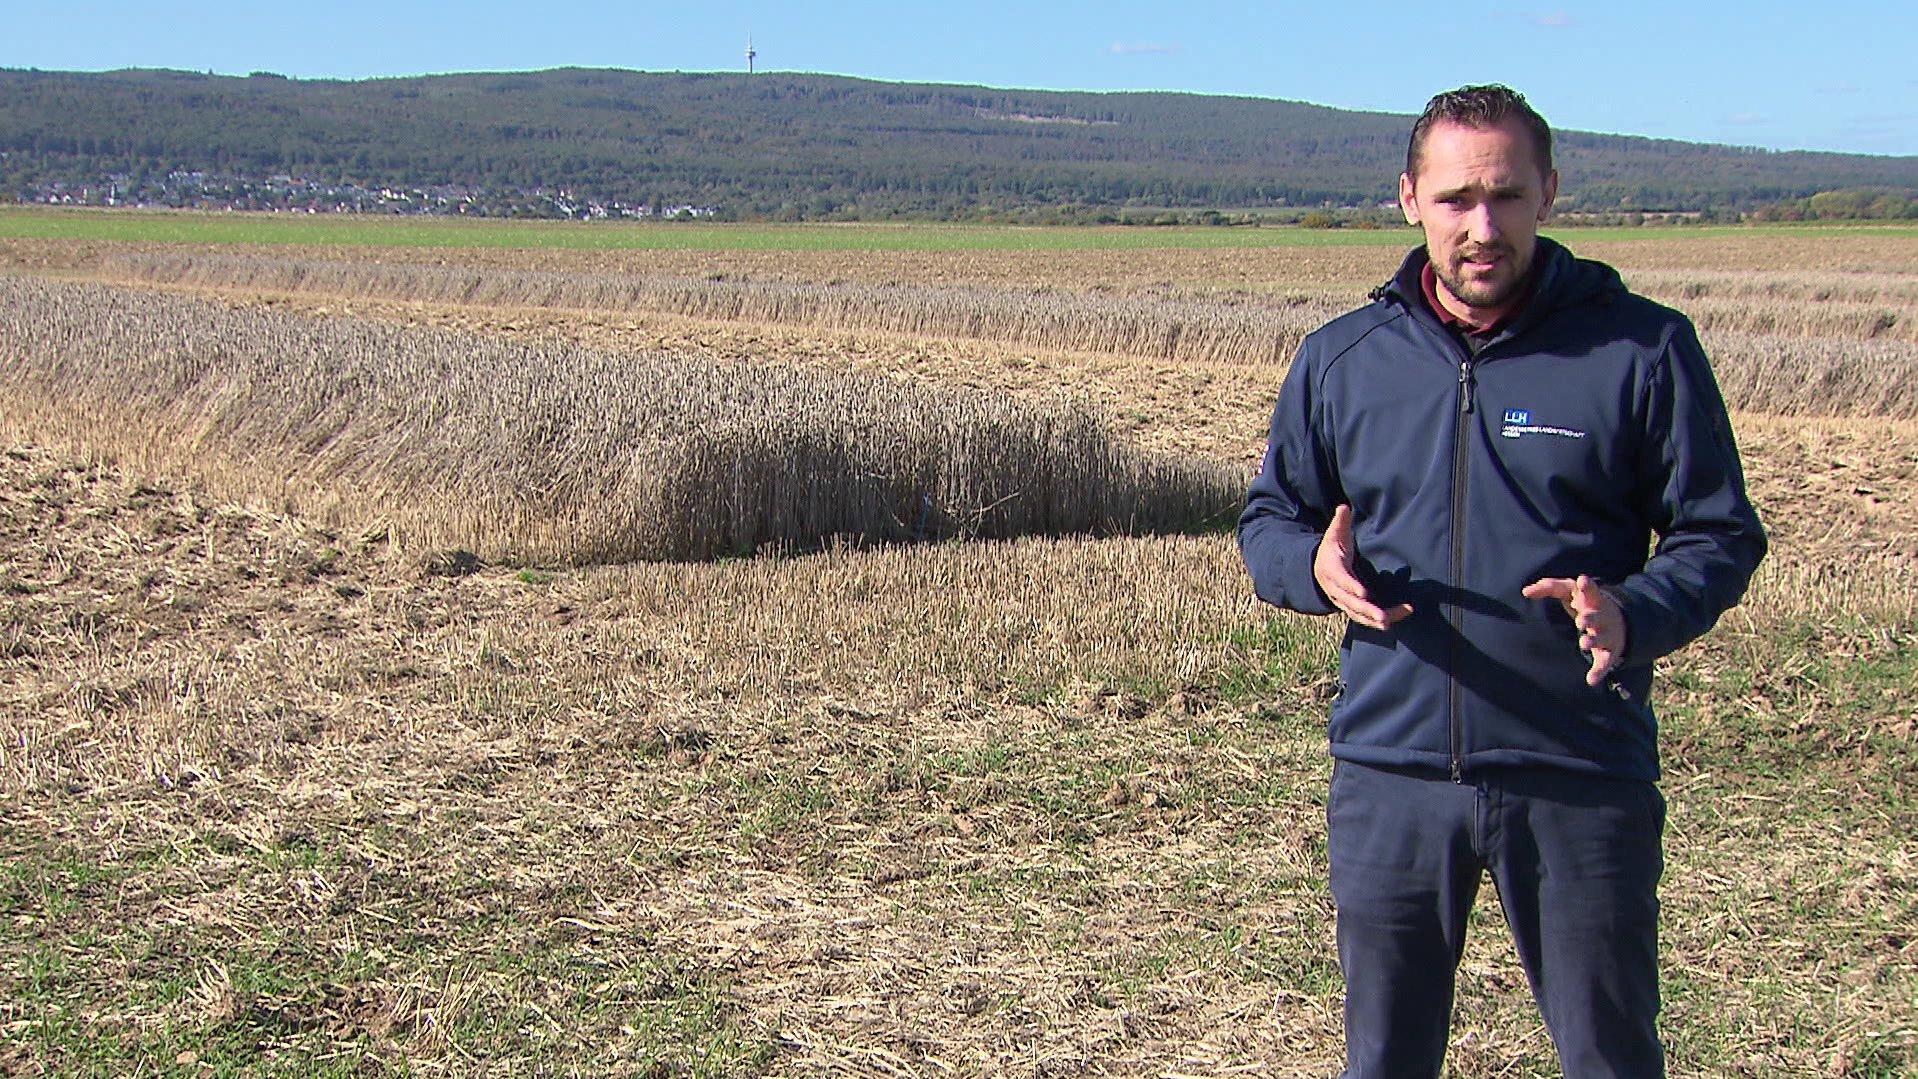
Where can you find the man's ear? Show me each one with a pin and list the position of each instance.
(1551, 192)
(1409, 203)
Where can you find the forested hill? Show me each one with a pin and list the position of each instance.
(803, 145)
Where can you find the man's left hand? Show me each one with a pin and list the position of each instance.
(1601, 625)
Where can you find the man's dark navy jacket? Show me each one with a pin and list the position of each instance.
(1587, 426)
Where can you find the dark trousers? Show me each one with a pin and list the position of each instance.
(1576, 861)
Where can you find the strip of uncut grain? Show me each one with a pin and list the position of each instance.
(1774, 351)
(546, 452)
(1175, 329)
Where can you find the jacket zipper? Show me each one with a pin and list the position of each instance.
(1467, 390)
(1460, 471)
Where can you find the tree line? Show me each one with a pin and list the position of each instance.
(814, 146)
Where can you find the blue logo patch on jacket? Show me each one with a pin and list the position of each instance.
(1519, 423)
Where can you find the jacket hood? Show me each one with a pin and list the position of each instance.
(1564, 280)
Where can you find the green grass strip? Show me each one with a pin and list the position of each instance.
(366, 230)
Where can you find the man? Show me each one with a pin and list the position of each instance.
(1471, 469)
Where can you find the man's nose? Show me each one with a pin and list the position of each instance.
(1482, 225)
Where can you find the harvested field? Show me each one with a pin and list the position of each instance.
(275, 807)
(300, 793)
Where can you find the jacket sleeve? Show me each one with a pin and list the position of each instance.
(1291, 499)
(1691, 488)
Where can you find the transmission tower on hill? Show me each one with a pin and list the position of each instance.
(749, 53)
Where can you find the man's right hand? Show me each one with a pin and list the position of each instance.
(1333, 566)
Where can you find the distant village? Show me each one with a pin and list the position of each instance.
(290, 194)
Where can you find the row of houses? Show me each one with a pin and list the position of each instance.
(195, 189)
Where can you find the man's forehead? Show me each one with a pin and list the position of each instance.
(1469, 155)
(1478, 181)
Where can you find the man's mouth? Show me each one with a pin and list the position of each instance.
(1481, 260)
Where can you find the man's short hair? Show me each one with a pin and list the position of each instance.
(1481, 107)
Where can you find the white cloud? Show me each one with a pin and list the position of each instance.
(1142, 48)
(1746, 119)
(1838, 88)
(1551, 20)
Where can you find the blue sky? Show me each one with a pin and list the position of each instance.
(1835, 76)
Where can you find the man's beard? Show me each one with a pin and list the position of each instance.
(1483, 292)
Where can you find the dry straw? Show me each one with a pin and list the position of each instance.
(540, 451)
(1796, 345)
(1894, 290)
(1815, 376)
(1182, 329)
